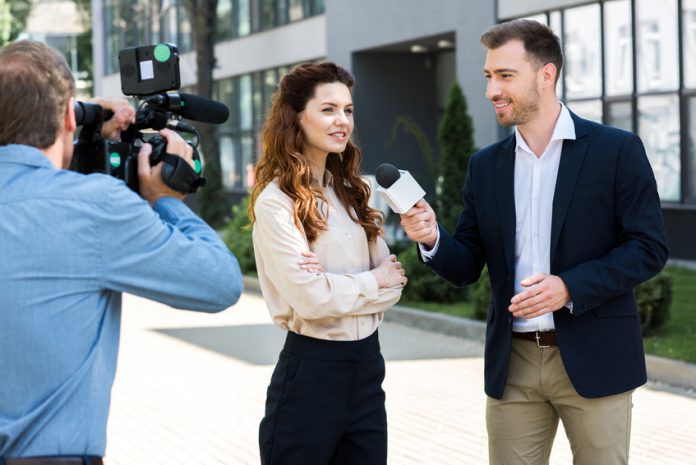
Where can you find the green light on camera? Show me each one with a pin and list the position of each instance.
(114, 159)
(162, 53)
(197, 166)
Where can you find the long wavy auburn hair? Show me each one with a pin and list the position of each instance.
(282, 158)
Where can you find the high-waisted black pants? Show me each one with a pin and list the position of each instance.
(325, 404)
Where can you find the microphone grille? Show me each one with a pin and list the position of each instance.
(386, 175)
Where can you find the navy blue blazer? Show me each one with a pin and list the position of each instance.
(607, 237)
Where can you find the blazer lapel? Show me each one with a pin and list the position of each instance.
(572, 158)
(505, 196)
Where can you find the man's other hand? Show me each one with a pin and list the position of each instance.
(545, 293)
(152, 188)
(124, 116)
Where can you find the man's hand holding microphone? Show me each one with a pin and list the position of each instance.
(405, 196)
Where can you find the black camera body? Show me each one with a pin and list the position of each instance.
(147, 73)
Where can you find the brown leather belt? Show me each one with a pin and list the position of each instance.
(542, 338)
(55, 461)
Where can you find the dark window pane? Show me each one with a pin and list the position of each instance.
(691, 161)
(619, 115)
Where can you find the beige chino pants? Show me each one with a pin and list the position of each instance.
(522, 425)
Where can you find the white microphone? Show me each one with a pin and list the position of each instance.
(398, 188)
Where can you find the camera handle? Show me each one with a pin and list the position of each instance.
(178, 174)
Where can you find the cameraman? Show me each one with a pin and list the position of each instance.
(70, 244)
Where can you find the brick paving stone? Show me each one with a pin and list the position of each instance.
(190, 390)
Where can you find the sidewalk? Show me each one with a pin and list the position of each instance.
(190, 390)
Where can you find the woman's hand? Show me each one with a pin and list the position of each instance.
(390, 273)
(310, 263)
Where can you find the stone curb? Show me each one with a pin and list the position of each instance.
(660, 369)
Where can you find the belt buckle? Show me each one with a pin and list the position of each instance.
(538, 338)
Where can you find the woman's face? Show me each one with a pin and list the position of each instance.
(327, 120)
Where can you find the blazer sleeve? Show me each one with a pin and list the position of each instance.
(641, 246)
(460, 257)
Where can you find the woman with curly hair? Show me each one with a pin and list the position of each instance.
(326, 275)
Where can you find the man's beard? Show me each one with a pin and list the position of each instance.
(524, 109)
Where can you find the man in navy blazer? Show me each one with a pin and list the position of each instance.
(565, 213)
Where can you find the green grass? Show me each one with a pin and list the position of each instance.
(677, 338)
(463, 309)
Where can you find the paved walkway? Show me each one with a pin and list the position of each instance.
(190, 390)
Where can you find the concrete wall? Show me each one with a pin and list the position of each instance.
(360, 25)
(514, 8)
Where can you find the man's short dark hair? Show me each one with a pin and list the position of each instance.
(540, 43)
(35, 87)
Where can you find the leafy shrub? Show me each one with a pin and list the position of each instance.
(423, 284)
(654, 298)
(237, 236)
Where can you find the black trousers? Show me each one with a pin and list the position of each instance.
(325, 404)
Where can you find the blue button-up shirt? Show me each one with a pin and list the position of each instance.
(70, 244)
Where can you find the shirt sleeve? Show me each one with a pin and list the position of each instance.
(279, 243)
(428, 254)
(165, 253)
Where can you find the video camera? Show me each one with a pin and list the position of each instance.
(147, 73)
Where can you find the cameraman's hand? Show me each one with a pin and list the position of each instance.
(152, 188)
(124, 116)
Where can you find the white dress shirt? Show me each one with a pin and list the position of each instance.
(535, 183)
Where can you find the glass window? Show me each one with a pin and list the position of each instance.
(295, 11)
(226, 95)
(168, 23)
(246, 159)
(555, 21)
(538, 18)
(246, 112)
(618, 47)
(620, 115)
(691, 163)
(689, 42)
(588, 109)
(258, 85)
(658, 126)
(229, 164)
(270, 84)
(185, 31)
(224, 19)
(267, 14)
(658, 47)
(243, 18)
(582, 52)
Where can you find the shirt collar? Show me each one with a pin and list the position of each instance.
(564, 129)
(24, 155)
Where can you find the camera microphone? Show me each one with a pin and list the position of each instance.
(203, 109)
(191, 107)
(398, 188)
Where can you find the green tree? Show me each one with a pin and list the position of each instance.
(212, 199)
(13, 18)
(456, 137)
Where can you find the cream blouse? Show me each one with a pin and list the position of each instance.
(342, 303)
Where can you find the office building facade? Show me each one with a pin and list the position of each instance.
(629, 63)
